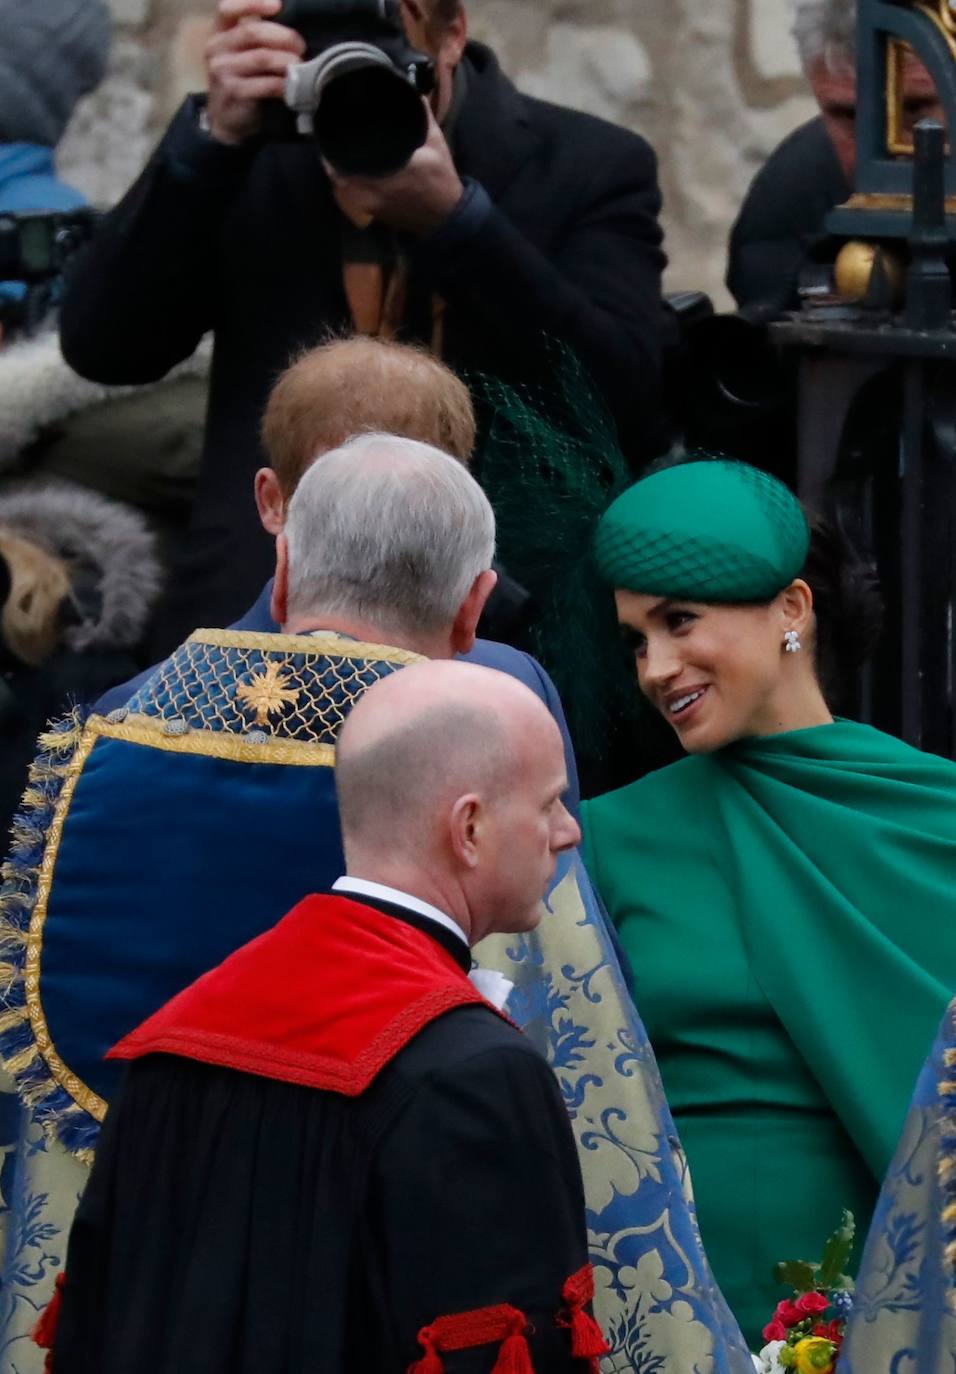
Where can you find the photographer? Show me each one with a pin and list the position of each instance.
(513, 219)
(781, 227)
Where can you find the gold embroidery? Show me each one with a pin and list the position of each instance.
(198, 685)
(135, 730)
(268, 693)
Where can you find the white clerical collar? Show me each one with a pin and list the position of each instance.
(493, 986)
(362, 887)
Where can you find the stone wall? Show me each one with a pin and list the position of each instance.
(713, 84)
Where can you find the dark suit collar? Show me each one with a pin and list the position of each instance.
(492, 138)
(450, 942)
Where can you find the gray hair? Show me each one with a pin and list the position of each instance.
(825, 29)
(388, 530)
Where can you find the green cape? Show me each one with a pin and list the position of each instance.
(787, 906)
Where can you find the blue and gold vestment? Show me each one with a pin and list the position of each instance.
(156, 841)
(904, 1313)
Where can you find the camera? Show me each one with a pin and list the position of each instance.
(359, 91)
(36, 247)
(34, 252)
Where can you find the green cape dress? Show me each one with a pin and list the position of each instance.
(788, 907)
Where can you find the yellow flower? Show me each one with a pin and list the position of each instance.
(814, 1355)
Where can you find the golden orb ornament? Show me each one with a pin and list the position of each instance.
(854, 266)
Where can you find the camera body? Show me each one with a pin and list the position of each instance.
(34, 251)
(359, 92)
(36, 247)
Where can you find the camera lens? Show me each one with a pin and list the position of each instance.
(370, 121)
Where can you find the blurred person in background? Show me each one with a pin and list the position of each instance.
(80, 573)
(781, 225)
(515, 219)
(51, 54)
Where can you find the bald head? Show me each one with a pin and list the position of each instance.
(439, 768)
(423, 734)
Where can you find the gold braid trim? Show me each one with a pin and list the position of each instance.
(215, 744)
(324, 645)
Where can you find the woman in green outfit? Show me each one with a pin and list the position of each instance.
(785, 893)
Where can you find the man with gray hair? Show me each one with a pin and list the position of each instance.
(394, 1174)
(388, 537)
(781, 226)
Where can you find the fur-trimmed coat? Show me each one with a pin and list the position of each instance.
(54, 427)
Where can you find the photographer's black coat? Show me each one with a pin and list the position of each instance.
(782, 221)
(245, 241)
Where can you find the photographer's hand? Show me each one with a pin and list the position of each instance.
(418, 199)
(246, 62)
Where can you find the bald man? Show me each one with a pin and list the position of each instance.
(332, 1153)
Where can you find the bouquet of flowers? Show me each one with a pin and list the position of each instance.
(805, 1333)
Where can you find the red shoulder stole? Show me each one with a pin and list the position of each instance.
(325, 999)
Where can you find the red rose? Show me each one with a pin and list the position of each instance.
(775, 1331)
(789, 1313)
(811, 1304)
(830, 1331)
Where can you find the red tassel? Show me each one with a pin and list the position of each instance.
(587, 1342)
(44, 1333)
(431, 1361)
(481, 1326)
(514, 1357)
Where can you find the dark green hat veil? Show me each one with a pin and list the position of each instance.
(714, 530)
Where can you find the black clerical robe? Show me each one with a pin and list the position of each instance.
(331, 1154)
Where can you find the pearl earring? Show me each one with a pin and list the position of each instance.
(792, 641)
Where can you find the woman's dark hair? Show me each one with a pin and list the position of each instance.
(847, 603)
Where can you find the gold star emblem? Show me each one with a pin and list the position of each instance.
(267, 694)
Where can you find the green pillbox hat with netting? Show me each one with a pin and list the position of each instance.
(704, 531)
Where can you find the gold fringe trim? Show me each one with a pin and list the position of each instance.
(9, 1020)
(18, 1062)
(39, 1092)
(61, 741)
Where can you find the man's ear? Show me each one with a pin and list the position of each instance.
(465, 628)
(279, 603)
(464, 826)
(270, 502)
(454, 37)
